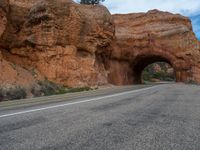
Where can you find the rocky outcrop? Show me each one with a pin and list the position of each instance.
(3, 15)
(62, 40)
(12, 76)
(84, 45)
(145, 38)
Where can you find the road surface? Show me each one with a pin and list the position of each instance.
(159, 117)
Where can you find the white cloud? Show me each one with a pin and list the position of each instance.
(185, 7)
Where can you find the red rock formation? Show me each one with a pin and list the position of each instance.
(145, 38)
(11, 75)
(3, 15)
(157, 68)
(80, 45)
(63, 40)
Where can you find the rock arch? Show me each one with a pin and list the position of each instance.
(80, 45)
(144, 38)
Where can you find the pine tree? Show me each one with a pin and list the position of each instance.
(90, 2)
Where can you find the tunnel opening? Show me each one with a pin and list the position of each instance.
(153, 69)
(158, 72)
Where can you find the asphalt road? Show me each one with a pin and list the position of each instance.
(161, 117)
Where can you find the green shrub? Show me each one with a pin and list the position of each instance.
(1, 95)
(90, 2)
(12, 93)
(47, 88)
(191, 82)
(72, 90)
(146, 76)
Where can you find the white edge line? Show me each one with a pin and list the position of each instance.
(73, 103)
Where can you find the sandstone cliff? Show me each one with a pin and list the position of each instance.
(61, 40)
(82, 45)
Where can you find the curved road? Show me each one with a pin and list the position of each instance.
(159, 117)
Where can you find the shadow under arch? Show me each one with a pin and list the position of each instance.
(142, 61)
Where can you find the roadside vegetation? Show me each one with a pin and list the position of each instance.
(192, 82)
(12, 93)
(43, 88)
(47, 88)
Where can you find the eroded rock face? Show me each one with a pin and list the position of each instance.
(3, 15)
(63, 40)
(11, 75)
(144, 38)
(80, 45)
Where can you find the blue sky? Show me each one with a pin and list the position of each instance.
(190, 8)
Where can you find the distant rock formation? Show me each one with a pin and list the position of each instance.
(84, 45)
(157, 72)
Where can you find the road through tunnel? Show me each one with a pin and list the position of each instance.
(141, 64)
(152, 69)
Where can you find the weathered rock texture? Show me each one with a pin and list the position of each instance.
(80, 45)
(62, 40)
(145, 38)
(11, 74)
(3, 15)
